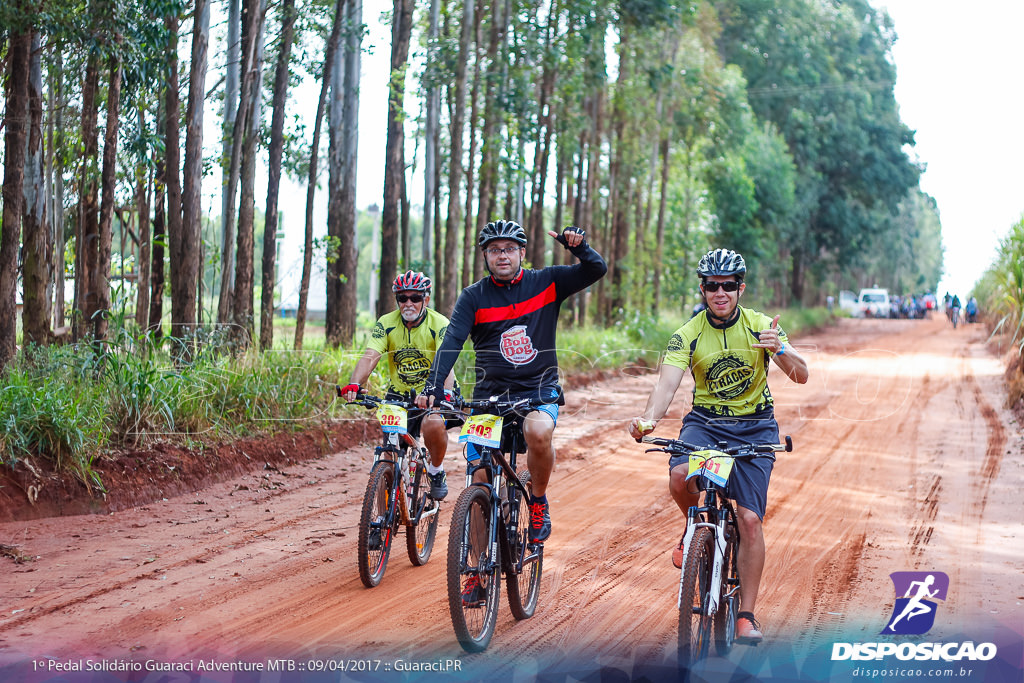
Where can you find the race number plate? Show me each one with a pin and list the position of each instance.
(715, 465)
(483, 430)
(393, 419)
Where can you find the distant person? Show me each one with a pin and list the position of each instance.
(972, 310)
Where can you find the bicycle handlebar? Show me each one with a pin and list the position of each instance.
(676, 447)
(491, 404)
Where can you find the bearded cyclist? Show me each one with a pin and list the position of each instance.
(727, 349)
(409, 336)
(511, 316)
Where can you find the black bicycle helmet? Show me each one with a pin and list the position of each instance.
(722, 262)
(502, 230)
(411, 281)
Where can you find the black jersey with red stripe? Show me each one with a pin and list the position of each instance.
(512, 325)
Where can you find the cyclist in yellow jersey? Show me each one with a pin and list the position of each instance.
(728, 350)
(409, 337)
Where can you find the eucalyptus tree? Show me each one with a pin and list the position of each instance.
(394, 157)
(276, 151)
(16, 115)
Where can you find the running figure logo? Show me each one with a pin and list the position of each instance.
(914, 612)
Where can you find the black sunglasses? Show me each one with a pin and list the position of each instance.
(415, 298)
(730, 286)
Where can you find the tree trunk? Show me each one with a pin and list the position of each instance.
(449, 289)
(37, 249)
(19, 47)
(156, 298)
(101, 275)
(172, 177)
(144, 262)
(660, 246)
(274, 179)
(469, 231)
(232, 95)
(307, 251)
(242, 306)
(185, 250)
(394, 168)
(56, 172)
(433, 105)
(341, 281)
(88, 211)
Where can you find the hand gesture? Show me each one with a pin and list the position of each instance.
(769, 339)
(570, 237)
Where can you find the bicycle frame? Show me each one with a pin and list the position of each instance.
(723, 511)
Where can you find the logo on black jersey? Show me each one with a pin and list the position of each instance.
(728, 377)
(412, 366)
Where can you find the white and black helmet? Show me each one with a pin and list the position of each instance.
(502, 230)
(722, 262)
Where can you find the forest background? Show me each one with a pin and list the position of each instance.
(661, 127)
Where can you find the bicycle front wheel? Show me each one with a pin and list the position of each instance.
(473, 572)
(377, 523)
(695, 598)
(525, 562)
(419, 537)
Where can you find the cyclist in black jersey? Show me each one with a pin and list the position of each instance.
(728, 349)
(511, 316)
(408, 338)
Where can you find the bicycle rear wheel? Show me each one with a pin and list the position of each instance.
(525, 562)
(473, 572)
(728, 603)
(419, 537)
(377, 523)
(694, 621)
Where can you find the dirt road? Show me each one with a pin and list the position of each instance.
(905, 460)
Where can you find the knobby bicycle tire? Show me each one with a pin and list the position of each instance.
(522, 579)
(378, 523)
(419, 538)
(725, 617)
(694, 624)
(469, 556)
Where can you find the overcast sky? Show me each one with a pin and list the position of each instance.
(960, 86)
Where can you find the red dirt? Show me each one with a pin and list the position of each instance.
(905, 459)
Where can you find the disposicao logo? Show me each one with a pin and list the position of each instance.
(914, 612)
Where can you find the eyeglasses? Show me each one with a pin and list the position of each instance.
(730, 286)
(507, 251)
(403, 298)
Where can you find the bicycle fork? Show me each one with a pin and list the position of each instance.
(717, 563)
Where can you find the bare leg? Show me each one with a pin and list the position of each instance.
(435, 438)
(540, 454)
(750, 560)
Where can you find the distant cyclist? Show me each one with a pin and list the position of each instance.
(511, 316)
(410, 337)
(727, 350)
(954, 310)
(971, 310)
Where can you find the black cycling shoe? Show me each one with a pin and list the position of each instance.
(438, 485)
(540, 521)
(473, 593)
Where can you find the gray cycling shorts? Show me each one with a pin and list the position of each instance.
(748, 484)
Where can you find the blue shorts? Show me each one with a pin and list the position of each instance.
(550, 409)
(748, 484)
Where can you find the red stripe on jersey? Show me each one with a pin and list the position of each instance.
(513, 311)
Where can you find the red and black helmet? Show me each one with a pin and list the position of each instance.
(411, 281)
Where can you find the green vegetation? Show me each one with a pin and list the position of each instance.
(69, 405)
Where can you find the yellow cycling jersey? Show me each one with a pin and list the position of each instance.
(409, 352)
(730, 376)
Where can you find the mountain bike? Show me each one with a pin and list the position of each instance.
(709, 583)
(489, 535)
(397, 493)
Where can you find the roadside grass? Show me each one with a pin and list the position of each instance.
(69, 405)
